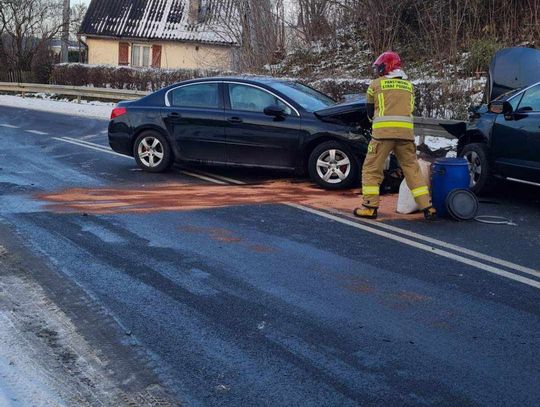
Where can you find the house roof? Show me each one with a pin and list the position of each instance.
(162, 20)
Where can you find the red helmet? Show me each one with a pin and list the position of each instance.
(386, 63)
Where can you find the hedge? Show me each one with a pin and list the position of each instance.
(443, 98)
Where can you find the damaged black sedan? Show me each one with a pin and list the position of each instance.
(245, 122)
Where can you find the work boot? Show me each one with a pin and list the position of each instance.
(366, 213)
(430, 214)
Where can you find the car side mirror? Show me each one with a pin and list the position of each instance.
(501, 107)
(275, 111)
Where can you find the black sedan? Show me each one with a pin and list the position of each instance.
(248, 122)
(502, 140)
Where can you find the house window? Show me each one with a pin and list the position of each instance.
(140, 55)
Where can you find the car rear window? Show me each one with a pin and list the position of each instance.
(204, 95)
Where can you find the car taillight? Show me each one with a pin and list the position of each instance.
(118, 111)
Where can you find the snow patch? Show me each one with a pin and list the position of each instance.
(97, 110)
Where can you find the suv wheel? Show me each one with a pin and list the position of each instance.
(152, 152)
(332, 166)
(479, 168)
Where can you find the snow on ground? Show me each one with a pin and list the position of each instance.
(436, 143)
(44, 361)
(97, 110)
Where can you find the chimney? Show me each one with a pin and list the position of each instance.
(194, 11)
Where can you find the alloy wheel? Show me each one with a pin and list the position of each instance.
(150, 152)
(333, 166)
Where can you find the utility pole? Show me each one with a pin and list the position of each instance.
(64, 56)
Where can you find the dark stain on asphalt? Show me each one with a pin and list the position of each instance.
(217, 234)
(226, 236)
(411, 297)
(360, 288)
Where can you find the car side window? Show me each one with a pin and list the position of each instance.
(204, 95)
(531, 99)
(250, 99)
(514, 102)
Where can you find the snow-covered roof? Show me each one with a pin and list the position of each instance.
(216, 22)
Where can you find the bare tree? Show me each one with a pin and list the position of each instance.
(66, 14)
(258, 26)
(313, 19)
(78, 11)
(27, 27)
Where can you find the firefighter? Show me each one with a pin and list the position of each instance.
(390, 105)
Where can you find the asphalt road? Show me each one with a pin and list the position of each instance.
(269, 303)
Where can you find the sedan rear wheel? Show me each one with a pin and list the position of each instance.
(152, 152)
(332, 166)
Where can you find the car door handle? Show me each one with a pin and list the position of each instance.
(235, 120)
(175, 115)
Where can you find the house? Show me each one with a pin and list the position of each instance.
(74, 49)
(161, 33)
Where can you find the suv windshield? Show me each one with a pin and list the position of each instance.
(308, 98)
(508, 95)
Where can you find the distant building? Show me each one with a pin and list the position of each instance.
(56, 46)
(161, 33)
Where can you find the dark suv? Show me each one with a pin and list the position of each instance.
(502, 140)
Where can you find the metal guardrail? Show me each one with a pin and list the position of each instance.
(434, 127)
(78, 91)
(423, 126)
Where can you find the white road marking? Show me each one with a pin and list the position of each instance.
(87, 143)
(103, 150)
(99, 147)
(203, 177)
(90, 137)
(39, 133)
(421, 246)
(222, 178)
(450, 246)
(9, 126)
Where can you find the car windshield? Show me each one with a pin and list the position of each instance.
(308, 98)
(508, 95)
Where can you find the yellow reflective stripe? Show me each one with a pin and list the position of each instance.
(381, 105)
(396, 84)
(397, 125)
(370, 91)
(418, 192)
(404, 119)
(370, 190)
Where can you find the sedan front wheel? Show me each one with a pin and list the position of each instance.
(479, 167)
(332, 166)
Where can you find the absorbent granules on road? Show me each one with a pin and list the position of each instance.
(187, 197)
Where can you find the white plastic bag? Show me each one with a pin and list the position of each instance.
(406, 203)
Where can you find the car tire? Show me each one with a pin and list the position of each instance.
(477, 154)
(331, 175)
(152, 152)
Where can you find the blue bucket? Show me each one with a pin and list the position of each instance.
(448, 174)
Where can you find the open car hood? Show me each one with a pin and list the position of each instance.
(350, 113)
(513, 68)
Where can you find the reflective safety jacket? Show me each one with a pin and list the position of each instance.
(394, 105)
